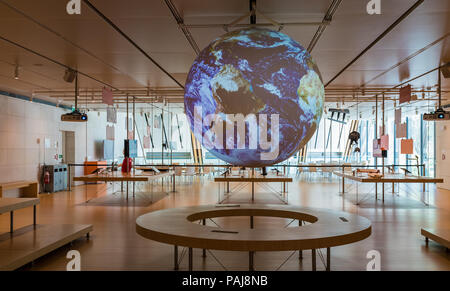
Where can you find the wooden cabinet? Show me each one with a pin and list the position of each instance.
(91, 166)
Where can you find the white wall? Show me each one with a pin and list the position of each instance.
(443, 148)
(22, 124)
(96, 133)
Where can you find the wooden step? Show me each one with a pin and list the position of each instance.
(26, 246)
(441, 236)
(11, 204)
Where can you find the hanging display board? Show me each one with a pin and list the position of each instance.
(377, 151)
(111, 114)
(107, 96)
(146, 142)
(405, 94)
(384, 142)
(400, 130)
(398, 116)
(157, 121)
(110, 135)
(130, 134)
(407, 146)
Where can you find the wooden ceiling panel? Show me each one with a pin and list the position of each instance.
(88, 43)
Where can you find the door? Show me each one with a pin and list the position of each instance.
(69, 150)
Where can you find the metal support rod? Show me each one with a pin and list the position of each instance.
(313, 256)
(439, 86)
(175, 258)
(383, 132)
(34, 215)
(190, 259)
(251, 256)
(253, 191)
(173, 183)
(134, 137)
(252, 4)
(70, 183)
(204, 250)
(76, 90)
(300, 252)
(11, 221)
(329, 130)
(251, 222)
(328, 259)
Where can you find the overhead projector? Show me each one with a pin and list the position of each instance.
(440, 114)
(74, 116)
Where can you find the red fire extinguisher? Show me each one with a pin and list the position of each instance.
(46, 178)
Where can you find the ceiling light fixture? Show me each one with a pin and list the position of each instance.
(16, 72)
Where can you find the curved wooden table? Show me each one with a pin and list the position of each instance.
(328, 229)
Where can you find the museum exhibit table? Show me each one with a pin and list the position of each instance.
(254, 178)
(386, 178)
(318, 228)
(137, 176)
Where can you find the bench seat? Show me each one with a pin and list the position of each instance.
(30, 188)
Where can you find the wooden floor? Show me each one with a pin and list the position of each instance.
(114, 244)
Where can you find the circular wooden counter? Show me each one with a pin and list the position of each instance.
(327, 229)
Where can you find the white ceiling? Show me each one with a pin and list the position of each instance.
(89, 44)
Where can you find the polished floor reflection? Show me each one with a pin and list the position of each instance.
(114, 244)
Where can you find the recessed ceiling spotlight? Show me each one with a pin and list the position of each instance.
(16, 72)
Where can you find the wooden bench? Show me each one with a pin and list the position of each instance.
(21, 249)
(11, 204)
(29, 188)
(441, 236)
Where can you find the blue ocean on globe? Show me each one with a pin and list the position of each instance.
(261, 72)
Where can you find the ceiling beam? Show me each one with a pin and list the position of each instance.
(54, 61)
(326, 21)
(132, 42)
(380, 37)
(180, 21)
(408, 58)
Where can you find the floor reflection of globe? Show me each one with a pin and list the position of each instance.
(260, 72)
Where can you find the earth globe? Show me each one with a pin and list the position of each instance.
(254, 97)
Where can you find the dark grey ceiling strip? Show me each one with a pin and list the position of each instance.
(116, 28)
(184, 29)
(35, 100)
(326, 20)
(381, 36)
(408, 58)
(252, 5)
